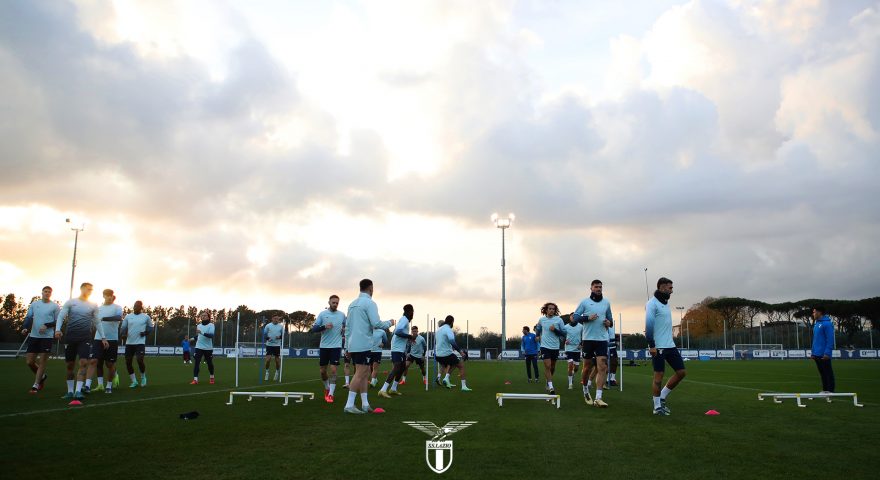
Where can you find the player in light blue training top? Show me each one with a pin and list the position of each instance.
(331, 324)
(416, 354)
(39, 326)
(82, 320)
(613, 359)
(399, 341)
(135, 327)
(573, 335)
(658, 330)
(204, 347)
(380, 340)
(362, 318)
(273, 334)
(106, 345)
(552, 335)
(446, 358)
(594, 312)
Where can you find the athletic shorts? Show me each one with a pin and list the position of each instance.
(132, 350)
(549, 353)
(360, 358)
(79, 349)
(329, 356)
(612, 352)
(397, 357)
(448, 360)
(273, 350)
(209, 354)
(108, 354)
(595, 348)
(375, 357)
(667, 355)
(39, 345)
(574, 357)
(417, 360)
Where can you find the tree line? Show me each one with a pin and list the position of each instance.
(747, 320)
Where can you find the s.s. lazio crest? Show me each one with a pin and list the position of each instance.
(438, 450)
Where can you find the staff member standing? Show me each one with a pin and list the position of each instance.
(823, 343)
(529, 348)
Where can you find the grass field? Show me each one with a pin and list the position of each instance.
(137, 433)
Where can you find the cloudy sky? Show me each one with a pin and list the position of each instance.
(271, 153)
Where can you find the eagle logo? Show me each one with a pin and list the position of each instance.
(438, 450)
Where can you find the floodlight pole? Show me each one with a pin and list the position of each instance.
(81, 228)
(680, 318)
(503, 224)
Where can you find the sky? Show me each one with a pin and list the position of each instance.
(271, 153)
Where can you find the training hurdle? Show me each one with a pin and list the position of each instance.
(777, 397)
(553, 399)
(298, 396)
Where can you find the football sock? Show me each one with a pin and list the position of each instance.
(385, 387)
(364, 402)
(665, 393)
(70, 386)
(656, 402)
(351, 397)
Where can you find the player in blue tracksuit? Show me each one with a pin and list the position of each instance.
(823, 344)
(529, 348)
(39, 326)
(81, 316)
(658, 330)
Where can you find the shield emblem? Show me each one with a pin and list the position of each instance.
(438, 455)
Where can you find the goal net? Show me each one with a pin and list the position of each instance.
(250, 364)
(744, 351)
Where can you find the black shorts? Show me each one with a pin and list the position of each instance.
(79, 349)
(132, 350)
(398, 357)
(207, 354)
(612, 352)
(549, 353)
(360, 358)
(573, 356)
(375, 357)
(667, 355)
(108, 354)
(417, 360)
(448, 360)
(595, 348)
(329, 356)
(39, 345)
(274, 351)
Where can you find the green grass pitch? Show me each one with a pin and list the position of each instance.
(137, 433)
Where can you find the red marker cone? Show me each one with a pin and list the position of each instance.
(712, 412)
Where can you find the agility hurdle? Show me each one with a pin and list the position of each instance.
(553, 399)
(777, 397)
(298, 396)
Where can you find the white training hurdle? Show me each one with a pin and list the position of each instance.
(298, 396)
(553, 399)
(777, 397)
